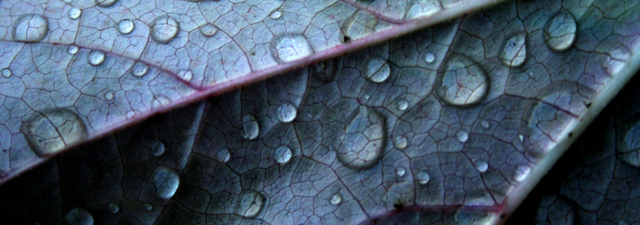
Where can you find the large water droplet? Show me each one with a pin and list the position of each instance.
(96, 57)
(336, 199)
(164, 29)
(105, 3)
(30, 28)
(250, 203)
(73, 49)
(461, 82)
(560, 31)
(78, 216)
(250, 127)
(629, 145)
(521, 173)
(400, 171)
(6, 73)
(401, 142)
(287, 112)
(482, 166)
(51, 131)
(224, 155)
(208, 30)
(423, 177)
(139, 69)
(361, 144)
(113, 208)
(282, 154)
(462, 136)
(157, 148)
(290, 47)
(125, 26)
(378, 70)
(166, 182)
(514, 50)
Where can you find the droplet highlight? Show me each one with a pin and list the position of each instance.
(423, 177)
(360, 146)
(287, 112)
(74, 13)
(336, 199)
(6, 73)
(164, 29)
(30, 28)
(560, 31)
(250, 127)
(290, 47)
(157, 148)
(514, 51)
(461, 82)
(282, 154)
(96, 57)
(51, 131)
(166, 182)
(378, 70)
(125, 26)
(250, 204)
(139, 69)
(78, 216)
(208, 30)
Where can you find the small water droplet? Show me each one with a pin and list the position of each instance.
(30, 28)
(485, 124)
(6, 73)
(401, 142)
(423, 177)
(514, 50)
(628, 148)
(400, 171)
(113, 208)
(250, 127)
(157, 148)
(290, 47)
(283, 154)
(560, 31)
(276, 15)
(105, 3)
(208, 30)
(250, 204)
(224, 155)
(326, 70)
(148, 206)
(108, 96)
(74, 13)
(482, 166)
(96, 57)
(336, 199)
(52, 130)
(73, 49)
(403, 105)
(462, 136)
(139, 69)
(429, 57)
(361, 144)
(378, 70)
(521, 173)
(125, 26)
(287, 112)
(78, 216)
(461, 82)
(166, 182)
(187, 76)
(164, 29)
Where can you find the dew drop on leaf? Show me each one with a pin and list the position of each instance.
(105, 3)
(208, 30)
(113, 208)
(164, 29)
(250, 203)
(96, 57)
(378, 70)
(514, 50)
(73, 49)
(30, 28)
(74, 13)
(78, 216)
(166, 182)
(400, 171)
(139, 69)
(290, 47)
(157, 148)
(224, 155)
(521, 173)
(287, 112)
(629, 144)
(461, 82)
(560, 31)
(336, 199)
(250, 127)
(361, 144)
(423, 177)
(462, 136)
(52, 130)
(282, 154)
(6, 73)
(125, 26)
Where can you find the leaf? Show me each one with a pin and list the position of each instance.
(453, 123)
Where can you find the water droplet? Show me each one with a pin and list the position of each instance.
(139, 69)
(250, 127)
(336, 199)
(125, 26)
(521, 173)
(157, 148)
(148, 206)
(113, 208)
(400, 171)
(208, 30)
(6, 73)
(423, 177)
(30, 28)
(429, 57)
(96, 57)
(514, 50)
(166, 182)
(283, 154)
(108, 96)
(250, 204)
(105, 3)
(378, 70)
(78, 216)
(74, 13)
(628, 148)
(290, 47)
(560, 31)
(403, 105)
(51, 131)
(326, 70)
(276, 15)
(485, 124)
(224, 155)
(287, 112)
(187, 76)
(73, 49)
(401, 142)
(461, 82)
(361, 144)
(164, 29)
(462, 136)
(482, 166)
